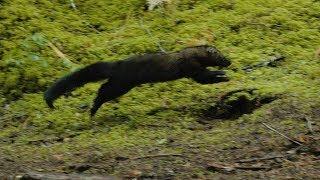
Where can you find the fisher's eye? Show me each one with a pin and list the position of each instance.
(211, 50)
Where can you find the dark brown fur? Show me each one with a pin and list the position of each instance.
(126, 74)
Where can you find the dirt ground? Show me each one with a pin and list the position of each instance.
(254, 155)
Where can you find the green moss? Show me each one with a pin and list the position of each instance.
(247, 31)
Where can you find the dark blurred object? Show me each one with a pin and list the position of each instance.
(272, 62)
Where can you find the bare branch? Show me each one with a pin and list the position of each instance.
(150, 34)
(309, 124)
(270, 62)
(274, 130)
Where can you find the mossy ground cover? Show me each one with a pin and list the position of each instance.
(41, 41)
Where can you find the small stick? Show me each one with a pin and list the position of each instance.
(269, 62)
(157, 155)
(260, 159)
(294, 151)
(309, 124)
(57, 51)
(274, 130)
(150, 34)
(60, 54)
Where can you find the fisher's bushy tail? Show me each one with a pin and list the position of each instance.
(92, 73)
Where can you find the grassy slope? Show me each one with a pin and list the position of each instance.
(247, 31)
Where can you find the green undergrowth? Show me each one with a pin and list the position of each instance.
(42, 40)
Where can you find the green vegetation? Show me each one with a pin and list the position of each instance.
(42, 40)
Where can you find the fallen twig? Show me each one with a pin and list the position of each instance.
(309, 125)
(271, 62)
(260, 159)
(65, 59)
(274, 130)
(57, 51)
(150, 34)
(294, 150)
